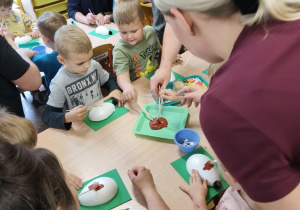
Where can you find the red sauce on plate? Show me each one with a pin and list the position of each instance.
(159, 123)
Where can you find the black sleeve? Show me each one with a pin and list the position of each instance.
(111, 84)
(55, 118)
(12, 65)
(73, 7)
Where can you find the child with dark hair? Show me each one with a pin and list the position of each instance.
(33, 179)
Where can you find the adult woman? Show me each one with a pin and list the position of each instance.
(16, 69)
(249, 119)
(87, 11)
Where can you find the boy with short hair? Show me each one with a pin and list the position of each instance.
(77, 83)
(137, 52)
(16, 20)
(17, 130)
(48, 24)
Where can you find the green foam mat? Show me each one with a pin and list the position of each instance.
(180, 166)
(121, 197)
(99, 124)
(103, 36)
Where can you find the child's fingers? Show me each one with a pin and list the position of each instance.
(197, 176)
(184, 189)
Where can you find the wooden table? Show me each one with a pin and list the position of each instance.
(96, 41)
(88, 154)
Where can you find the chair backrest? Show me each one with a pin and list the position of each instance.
(103, 55)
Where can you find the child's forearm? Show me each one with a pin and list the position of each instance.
(123, 80)
(200, 204)
(155, 201)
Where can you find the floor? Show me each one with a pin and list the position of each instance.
(32, 113)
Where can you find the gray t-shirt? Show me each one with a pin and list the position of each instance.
(140, 59)
(76, 89)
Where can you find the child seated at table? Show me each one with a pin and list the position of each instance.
(47, 24)
(19, 130)
(33, 179)
(77, 83)
(16, 20)
(137, 52)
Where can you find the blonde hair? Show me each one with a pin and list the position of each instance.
(17, 130)
(283, 10)
(125, 12)
(71, 39)
(49, 23)
(212, 69)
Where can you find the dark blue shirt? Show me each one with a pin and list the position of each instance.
(48, 64)
(83, 6)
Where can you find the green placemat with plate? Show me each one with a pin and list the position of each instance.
(122, 195)
(99, 124)
(177, 76)
(103, 36)
(180, 166)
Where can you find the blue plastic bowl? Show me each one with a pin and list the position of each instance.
(40, 49)
(189, 134)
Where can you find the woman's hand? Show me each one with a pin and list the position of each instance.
(192, 93)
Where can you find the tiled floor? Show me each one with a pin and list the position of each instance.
(32, 113)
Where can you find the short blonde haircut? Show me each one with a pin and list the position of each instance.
(71, 39)
(126, 11)
(49, 23)
(283, 10)
(17, 130)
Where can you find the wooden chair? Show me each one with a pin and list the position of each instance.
(103, 55)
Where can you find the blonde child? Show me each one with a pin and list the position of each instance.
(137, 52)
(77, 83)
(48, 24)
(19, 130)
(16, 20)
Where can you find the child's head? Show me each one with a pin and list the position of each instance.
(49, 23)
(129, 17)
(17, 130)
(5, 8)
(27, 181)
(74, 48)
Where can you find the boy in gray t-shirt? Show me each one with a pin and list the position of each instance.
(137, 53)
(77, 83)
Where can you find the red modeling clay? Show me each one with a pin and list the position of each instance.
(96, 186)
(159, 123)
(99, 187)
(208, 165)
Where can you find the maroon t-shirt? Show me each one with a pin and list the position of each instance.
(251, 112)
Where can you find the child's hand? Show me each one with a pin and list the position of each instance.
(130, 93)
(197, 190)
(90, 19)
(193, 93)
(35, 34)
(141, 178)
(178, 60)
(170, 95)
(117, 94)
(75, 181)
(5, 33)
(76, 115)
